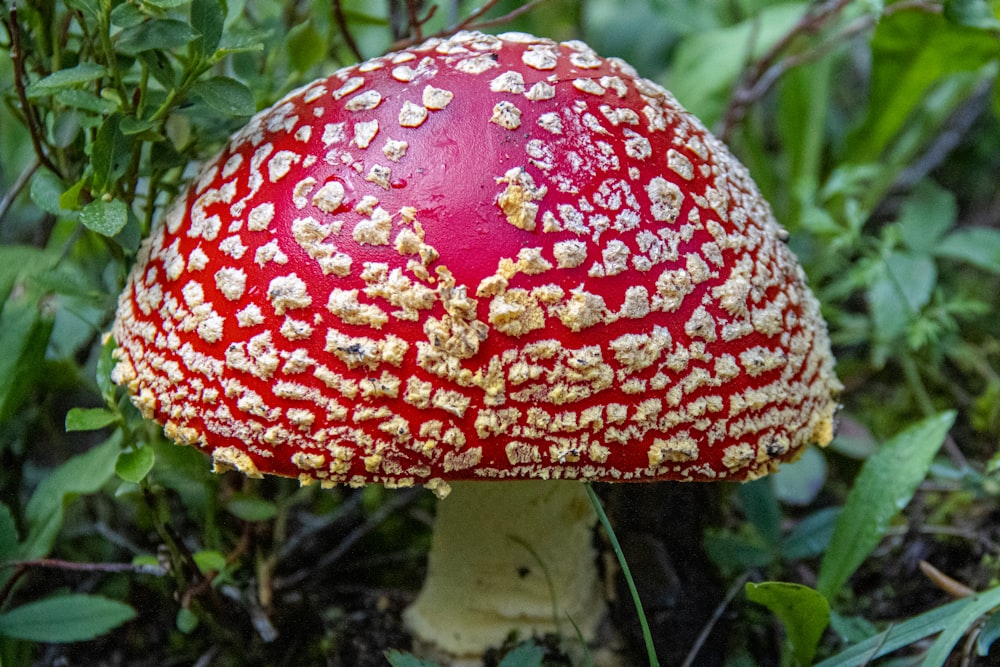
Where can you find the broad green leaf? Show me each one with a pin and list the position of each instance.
(26, 322)
(883, 488)
(915, 629)
(398, 658)
(250, 508)
(134, 465)
(207, 17)
(126, 15)
(8, 534)
(799, 483)
(306, 47)
(89, 419)
(737, 552)
(105, 217)
(105, 363)
(971, 13)
(524, 655)
(980, 246)
(82, 474)
(186, 471)
(926, 215)
(900, 288)
(186, 620)
(811, 536)
(155, 35)
(804, 612)
(913, 51)
(65, 618)
(65, 78)
(209, 561)
(707, 63)
(225, 95)
(45, 191)
(760, 506)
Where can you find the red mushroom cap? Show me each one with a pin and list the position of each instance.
(484, 257)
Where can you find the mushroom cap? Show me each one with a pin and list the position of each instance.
(489, 257)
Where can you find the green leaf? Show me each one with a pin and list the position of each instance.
(988, 635)
(971, 13)
(8, 534)
(912, 53)
(155, 35)
(105, 217)
(209, 561)
(207, 17)
(89, 419)
(708, 62)
(83, 474)
(979, 246)
(133, 466)
(805, 613)
(186, 620)
(523, 655)
(900, 288)
(65, 78)
(799, 483)
(65, 618)
(250, 508)
(811, 536)
(402, 659)
(883, 488)
(225, 95)
(108, 154)
(926, 215)
(46, 189)
(306, 47)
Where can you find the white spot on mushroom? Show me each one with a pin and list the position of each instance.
(540, 90)
(374, 230)
(288, 292)
(395, 150)
(541, 57)
(280, 164)
(412, 115)
(364, 133)
(231, 282)
(476, 64)
(249, 316)
(260, 217)
(349, 87)
(588, 86)
(334, 133)
(434, 99)
(550, 122)
(508, 82)
(506, 115)
(329, 197)
(365, 101)
(666, 199)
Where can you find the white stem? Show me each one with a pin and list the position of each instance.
(508, 556)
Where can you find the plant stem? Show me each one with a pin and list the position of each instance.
(647, 636)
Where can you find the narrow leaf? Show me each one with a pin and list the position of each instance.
(979, 246)
(65, 618)
(65, 78)
(883, 488)
(913, 630)
(157, 34)
(207, 17)
(805, 613)
(251, 509)
(524, 655)
(88, 419)
(403, 659)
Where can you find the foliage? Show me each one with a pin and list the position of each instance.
(872, 126)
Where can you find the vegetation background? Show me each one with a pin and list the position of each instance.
(871, 126)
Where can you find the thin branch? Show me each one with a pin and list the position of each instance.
(716, 615)
(15, 189)
(76, 566)
(30, 113)
(471, 22)
(341, 19)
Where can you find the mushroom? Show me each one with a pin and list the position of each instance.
(491, 265)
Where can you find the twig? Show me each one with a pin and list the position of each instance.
(470, 22)
(30, 116)
(338, 16)
(760, 77)
(75, 566)
(716, 615)
(16, 187)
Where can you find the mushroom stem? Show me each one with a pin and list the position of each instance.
(508, 557)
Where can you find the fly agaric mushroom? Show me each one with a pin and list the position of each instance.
(479, 259)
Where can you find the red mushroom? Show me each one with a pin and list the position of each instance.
(482, 258)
